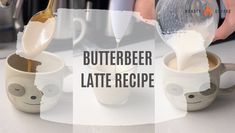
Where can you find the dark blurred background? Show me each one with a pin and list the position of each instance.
(33, 6)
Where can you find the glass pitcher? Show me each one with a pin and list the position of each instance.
(176, 15)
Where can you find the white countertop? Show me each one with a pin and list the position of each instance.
(218, 118)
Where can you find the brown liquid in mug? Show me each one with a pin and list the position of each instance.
(23, 64)
(30, 65)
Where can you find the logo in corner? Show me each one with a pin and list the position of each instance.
(208, 11)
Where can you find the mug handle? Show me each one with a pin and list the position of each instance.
(83, 29)
(225, 68)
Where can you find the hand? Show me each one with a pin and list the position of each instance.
(228, 27)
(146, 8)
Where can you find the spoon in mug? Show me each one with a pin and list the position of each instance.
(39, 32)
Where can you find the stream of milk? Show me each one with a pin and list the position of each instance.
(186, 43)
(191, 40)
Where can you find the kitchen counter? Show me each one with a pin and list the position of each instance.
(218, 118)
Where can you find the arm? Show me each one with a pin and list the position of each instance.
(228, 27)
(146, 8)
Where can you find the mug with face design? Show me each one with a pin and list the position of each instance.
(193, 91)
(36, 90)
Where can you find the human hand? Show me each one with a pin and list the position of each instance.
(228, 26)
(146, 8)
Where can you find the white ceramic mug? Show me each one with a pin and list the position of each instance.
(80, 25)
(34, 92)
(64, 28)
(113, 95)
(189, 90)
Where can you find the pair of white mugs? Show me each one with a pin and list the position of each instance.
(39, 91)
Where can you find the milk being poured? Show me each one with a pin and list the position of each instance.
(185, 44)
(190, 41)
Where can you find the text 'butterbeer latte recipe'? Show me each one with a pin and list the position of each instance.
(117, 69)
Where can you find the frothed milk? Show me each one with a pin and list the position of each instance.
(186, 43)
(37, 36)
(191, 40)
(193, 65)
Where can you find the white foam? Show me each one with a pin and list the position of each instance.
(186, 43)
(37, 36)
